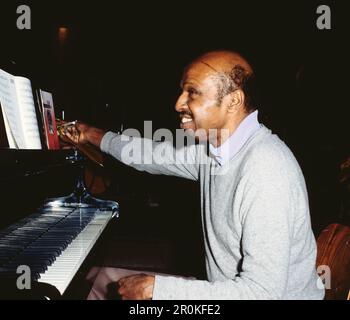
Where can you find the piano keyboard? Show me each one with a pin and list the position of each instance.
(62, 271)
(53, 243)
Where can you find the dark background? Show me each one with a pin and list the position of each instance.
(121, 63)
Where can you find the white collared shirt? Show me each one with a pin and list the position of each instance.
(235, 142)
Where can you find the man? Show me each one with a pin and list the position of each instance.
(255, 216)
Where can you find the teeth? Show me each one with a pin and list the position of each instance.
(184, 120)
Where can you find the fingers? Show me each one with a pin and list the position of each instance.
(124, 281)
(70, 132)
(125, 287)
(73, 132)
(120, 282)
(129, 278)
(135, 287)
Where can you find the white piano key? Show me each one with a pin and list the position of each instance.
(62, 271)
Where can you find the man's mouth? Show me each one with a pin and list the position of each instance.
(185, 122)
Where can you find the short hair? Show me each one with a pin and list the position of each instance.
(238, 78)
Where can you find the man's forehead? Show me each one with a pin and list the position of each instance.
(198, 71)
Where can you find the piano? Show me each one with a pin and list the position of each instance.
(51, 235)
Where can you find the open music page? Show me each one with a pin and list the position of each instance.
(8, 134)
(18, 108)
(27, 113)
(9, 106)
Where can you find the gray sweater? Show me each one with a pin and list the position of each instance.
(255, 217)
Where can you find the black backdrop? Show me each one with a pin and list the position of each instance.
(122, 63)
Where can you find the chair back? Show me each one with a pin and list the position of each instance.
(333, 250)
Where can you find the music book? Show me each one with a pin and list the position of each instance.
(18, 112)
(49, 120)
(3, 136)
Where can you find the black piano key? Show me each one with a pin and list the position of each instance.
(39, 239)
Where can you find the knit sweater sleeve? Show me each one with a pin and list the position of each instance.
(266, 211)
(153, 157)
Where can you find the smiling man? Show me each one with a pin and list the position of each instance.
(255, 215)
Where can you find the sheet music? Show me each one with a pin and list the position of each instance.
(9, 104)
(11, 140)
(27, 113)
(19, 111)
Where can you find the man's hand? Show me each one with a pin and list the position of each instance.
(82, 133)
(136, 287)
(77, 133)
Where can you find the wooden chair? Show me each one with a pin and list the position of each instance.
(333, 246)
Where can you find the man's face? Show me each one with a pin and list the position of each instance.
(198, 104)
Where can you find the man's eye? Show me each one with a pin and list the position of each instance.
(192, 92)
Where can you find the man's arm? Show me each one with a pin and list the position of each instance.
(152, 157)
(141, 154)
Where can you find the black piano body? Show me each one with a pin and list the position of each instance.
(48, 221)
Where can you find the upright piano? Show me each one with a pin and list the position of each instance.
(48, 221)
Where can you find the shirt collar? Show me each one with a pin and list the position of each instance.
(235, 142)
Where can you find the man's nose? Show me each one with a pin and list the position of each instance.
(181, 103)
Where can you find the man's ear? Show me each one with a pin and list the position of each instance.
(236, 101)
